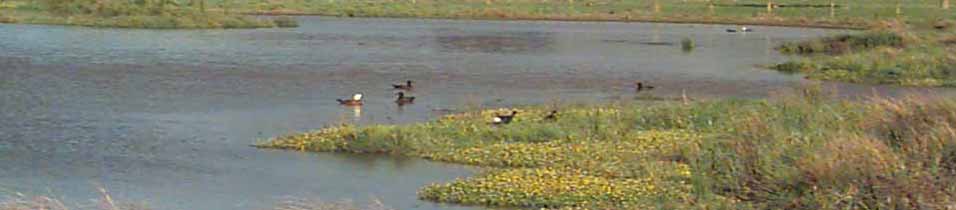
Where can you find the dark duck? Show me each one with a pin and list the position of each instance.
(552, 116)
(402, 99)
(406, 86)
(642, 87)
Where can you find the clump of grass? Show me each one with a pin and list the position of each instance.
(794, 67)
(286, 22)
(687, 44)
(5, 19)
(845, 43)
(924, 65)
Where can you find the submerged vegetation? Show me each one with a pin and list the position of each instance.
(164, 14)
(797, 151)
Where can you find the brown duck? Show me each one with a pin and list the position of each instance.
(552, 116)
(356, 100)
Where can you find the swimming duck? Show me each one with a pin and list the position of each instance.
(356, 100)
(742, 29)
(402, 99)
(642, 87)
(503, 119)
(552, 116)
(406, 86)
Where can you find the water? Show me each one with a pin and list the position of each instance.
(166, 117)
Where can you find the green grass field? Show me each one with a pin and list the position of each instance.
(124, 14)
(804, 150)
(846, 13)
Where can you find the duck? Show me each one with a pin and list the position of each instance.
(503, 119)
(406, 86)
(356, 100)
(552, 116)
(642, 87)
(402, 99)
(742, 29)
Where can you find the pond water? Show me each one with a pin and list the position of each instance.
(166, 117)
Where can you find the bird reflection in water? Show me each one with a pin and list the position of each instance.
(357, 112)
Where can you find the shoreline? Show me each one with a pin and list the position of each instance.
(582, 20)
(782, 22)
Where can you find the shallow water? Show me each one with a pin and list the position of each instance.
(166, 117)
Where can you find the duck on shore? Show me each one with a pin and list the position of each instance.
(402, 99)
(406, 86)
(642, 87)
(356, 100)
(503, 119)
(552, 116)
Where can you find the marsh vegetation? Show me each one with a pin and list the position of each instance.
(803, 150)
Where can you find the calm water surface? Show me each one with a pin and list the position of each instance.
(166, 117)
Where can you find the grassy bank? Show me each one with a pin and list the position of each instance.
(848, 13)
(125, 14)
(803, 151)
(909, 55)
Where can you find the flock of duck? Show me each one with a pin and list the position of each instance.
(403, 99)
(499, 119)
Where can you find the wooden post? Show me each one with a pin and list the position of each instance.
(657, 6)
(710, 6)
(832, 9)
(899, 10)
(769, 6)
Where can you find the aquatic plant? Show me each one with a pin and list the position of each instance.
(549, 187)
(687, 44)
